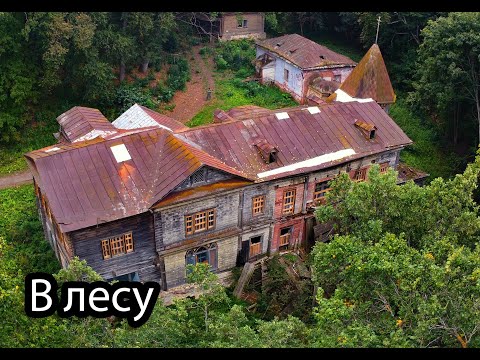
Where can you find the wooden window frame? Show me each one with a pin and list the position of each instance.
(207, 221)
(360, 175)
(321, 199)
(290, 210)
(117, 245)
(210, 250)
(258, 202)
(286, 72)
(284, 240)
(384, 167)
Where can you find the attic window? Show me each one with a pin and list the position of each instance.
(267, 151)
(322, 57)
(282, 115)
(199, 176)
(368, 130)
(120, 152)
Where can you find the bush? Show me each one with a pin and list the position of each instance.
(129, 94)
(178, 74)
(235, 55)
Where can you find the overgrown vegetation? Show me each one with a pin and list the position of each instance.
(234, 64)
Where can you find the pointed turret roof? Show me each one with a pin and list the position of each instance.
(369, 79)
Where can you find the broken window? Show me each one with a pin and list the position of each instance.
(285, 235)
(360, 175)
(117, 245)
(204, 254)
(384, 167)
(255, 245)
(200, 221)
(285, 75)
(321, 189)
(289, 201)
(258, 205)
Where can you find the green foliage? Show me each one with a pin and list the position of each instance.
(127, 95)
(178, 74)
(235, 54)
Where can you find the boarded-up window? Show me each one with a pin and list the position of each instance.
(289, 201)
(258, 205)
(383, 167)
(255, 245)
(286, 73)
(360, 175)
(117, 245)
(285, 235)
(200, 221)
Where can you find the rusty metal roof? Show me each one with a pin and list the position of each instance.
(85, 185)
(299, 137)
(79, 121)
(370, 79)
(304, 52)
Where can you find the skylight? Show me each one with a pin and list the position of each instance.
(313, 110)
(121, 153)
(282, 115)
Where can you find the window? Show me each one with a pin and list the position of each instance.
(255, 245)
(242, 23)
(321, 189)
(289, 201)
(285, 75)
(337, 78)
(205, 254)
(258, 205)
(360, 175)
(384, 168)
(200, 221)
(117, 245)
(199, 176)
(285, 235)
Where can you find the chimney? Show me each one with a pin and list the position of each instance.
(369, 130)
(267, 151)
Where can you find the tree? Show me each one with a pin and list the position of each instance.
(448, 70)
(402, 269)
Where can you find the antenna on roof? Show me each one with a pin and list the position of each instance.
(378, 27)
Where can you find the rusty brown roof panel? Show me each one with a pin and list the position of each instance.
(79, 121)
(304, 52)
(370, 79)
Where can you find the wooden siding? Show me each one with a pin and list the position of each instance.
(87, 244)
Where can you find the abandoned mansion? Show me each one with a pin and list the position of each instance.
(141, 197)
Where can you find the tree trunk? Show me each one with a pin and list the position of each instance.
(144, 66)
(122, 71)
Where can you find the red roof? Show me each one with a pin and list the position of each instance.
(370, 79)
(79, 121)
(85, 185)
(300, 137)
(304, 52)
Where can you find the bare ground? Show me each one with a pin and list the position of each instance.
(189, 102)
(16, 179)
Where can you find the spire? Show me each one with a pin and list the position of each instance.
(378, 27)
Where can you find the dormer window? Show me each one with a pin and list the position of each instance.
(267, 151)
(322, 57)
(368, 130)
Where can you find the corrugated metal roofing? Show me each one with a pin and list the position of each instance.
(85, 185)
(83, 123)
(304, 52)
(299, 137)
(370, 79)
(138, 116)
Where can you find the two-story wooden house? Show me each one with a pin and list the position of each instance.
(144, 198)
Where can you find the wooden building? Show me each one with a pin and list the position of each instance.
(293, 62)
(145, 199)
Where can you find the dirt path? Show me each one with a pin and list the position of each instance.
(189, 102)
(15, 179)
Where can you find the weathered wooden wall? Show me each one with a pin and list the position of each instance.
(87, 245)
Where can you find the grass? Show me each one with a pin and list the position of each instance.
(426, 153)
(21, 228)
